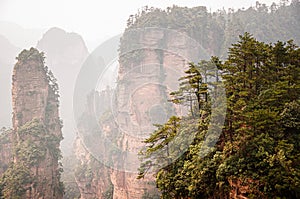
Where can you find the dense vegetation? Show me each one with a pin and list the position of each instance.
(218, 30)
(258, 152)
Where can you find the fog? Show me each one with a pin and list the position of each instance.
(94, 20)
(115, 71)
(23, 24)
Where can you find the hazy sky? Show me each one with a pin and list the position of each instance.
(95, 20)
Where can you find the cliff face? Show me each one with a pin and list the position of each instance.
(30, 91)
(107, 148)
(91, 175)
(142, 100)
(150, 63)
(36, 135)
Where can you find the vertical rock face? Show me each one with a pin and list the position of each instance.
(36, 135)
(145, 78)
(147, 73)
(65, 54)
(30, 90)
(92, 176)
(142, 100)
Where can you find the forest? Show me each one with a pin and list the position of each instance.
(257, 154)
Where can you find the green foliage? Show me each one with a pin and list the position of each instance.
(34, 143)
(52, 82)
(157, 142)
(216, 31)
(4, 136)
(32, 128)
(14, 181)
(30, 152)
(291, 115)
(31, 54)
(257, 155)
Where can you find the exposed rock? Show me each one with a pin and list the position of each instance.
(61, 48)
(36, 135)
(92, 176)
(126, 116)
(151, 61)
(146, 84)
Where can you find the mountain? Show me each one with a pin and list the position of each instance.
(155, 49)
(65, 54)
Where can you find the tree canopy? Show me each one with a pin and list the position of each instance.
(258, 152)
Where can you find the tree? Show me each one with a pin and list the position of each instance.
(257, 155)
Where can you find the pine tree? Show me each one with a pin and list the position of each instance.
(257, 155)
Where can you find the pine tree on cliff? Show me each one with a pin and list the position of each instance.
(258, 155)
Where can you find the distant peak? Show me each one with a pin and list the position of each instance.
(55, 31)
(59, 37)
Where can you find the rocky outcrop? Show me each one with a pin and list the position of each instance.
(34, 171)
(126, 115)
(65, 54)
(142, 99)
(151, 61)
(92, 176)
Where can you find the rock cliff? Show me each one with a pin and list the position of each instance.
(142, 99)
(108, 148)
(92, 176)
(151, 61)
(34, 171)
